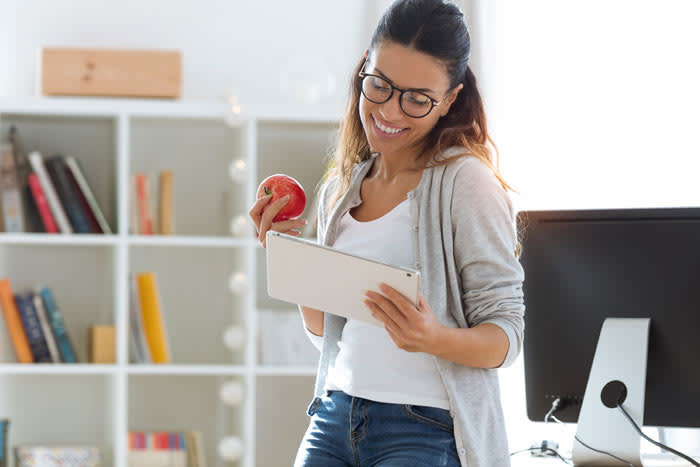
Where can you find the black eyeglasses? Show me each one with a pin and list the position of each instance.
(379, 90)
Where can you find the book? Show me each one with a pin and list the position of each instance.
(142, 353)
(166, 221)
(15, 327)
(37, 162)
(157, 449)
(4, 427)
(58, 327)
(37, 193)
(86, 192)
(11, 196)
(46, 327)
(30, 321)
(45, 456)
(145, 222)
(151, 201)
(153, 322)
(102, 344)
(134, 219)
(56, 167)
(32, 220)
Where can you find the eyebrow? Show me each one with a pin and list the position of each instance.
(408, 89)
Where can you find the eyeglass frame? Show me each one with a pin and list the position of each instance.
(362, 75)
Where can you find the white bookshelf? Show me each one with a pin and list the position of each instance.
(97, 404)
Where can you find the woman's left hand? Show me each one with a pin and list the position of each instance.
(414, 329)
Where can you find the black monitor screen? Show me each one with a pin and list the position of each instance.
(583, 266)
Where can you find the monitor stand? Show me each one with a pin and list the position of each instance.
(618, 373)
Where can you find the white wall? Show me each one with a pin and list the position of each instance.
(237, 46)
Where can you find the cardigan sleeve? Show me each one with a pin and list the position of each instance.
(484, 230)
(321, 220)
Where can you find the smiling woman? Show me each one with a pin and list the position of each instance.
(415, 184)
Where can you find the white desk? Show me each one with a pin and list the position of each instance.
(524, 459)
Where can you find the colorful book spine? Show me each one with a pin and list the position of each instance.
(32, 327)
(66, 193)
(154, 324)
(11, 195)
(14, 323)
(37, 161)
(82, 456)
(46, 327)
(58, 326)
(146, 226)
(80, 179)
(41, 203)
(4, 428)
(138, 337)
(165, 211)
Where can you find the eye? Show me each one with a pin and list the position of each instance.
(416, 98)
(379, 83)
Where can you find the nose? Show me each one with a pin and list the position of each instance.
(391, 109)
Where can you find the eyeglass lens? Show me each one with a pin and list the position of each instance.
(413, 103)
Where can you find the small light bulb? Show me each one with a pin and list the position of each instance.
(238, 283)
(234, 337)
(241, 226)
(231, 393)
(231, 448)
(238, 171)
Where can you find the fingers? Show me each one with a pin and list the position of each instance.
(387, 307)
(270, 212)
(292, 228)
(255, 212)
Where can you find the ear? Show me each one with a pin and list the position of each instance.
(450, 99)
(364, 56)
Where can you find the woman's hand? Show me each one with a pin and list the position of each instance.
(263, 222)
(414, 329)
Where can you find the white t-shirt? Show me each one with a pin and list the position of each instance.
(369, 364)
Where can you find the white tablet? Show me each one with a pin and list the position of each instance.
(305, 273)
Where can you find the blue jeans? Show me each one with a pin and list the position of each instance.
(351, 431)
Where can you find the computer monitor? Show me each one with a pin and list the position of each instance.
(583, 266)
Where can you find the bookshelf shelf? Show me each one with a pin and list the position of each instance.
(190, 241)
(57, 369)
(185, 370)
(285, 371)
(200, 142)
(57, 239)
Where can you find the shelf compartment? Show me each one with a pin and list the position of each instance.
(199, 152)
(81, 280)
(60, 410)
(196, 302)
(91, 140)
(280, 417)
(182, 403)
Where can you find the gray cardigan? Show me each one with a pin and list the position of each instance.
(464, 235)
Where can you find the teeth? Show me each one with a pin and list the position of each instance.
(391, 131)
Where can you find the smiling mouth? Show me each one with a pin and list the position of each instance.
(387, 130)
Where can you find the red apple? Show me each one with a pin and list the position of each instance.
(280, 185)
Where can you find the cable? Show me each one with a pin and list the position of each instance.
(656, 443)
(554, 451)
(592, 448)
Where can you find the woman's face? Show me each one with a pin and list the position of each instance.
(388, 128)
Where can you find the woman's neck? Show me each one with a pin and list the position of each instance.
(388, 166)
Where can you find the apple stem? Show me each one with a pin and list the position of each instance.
(267, 190)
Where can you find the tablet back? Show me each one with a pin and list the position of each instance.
(305, 273)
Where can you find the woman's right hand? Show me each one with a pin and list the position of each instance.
(263, 222)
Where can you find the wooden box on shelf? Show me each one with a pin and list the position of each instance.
(111, 72)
